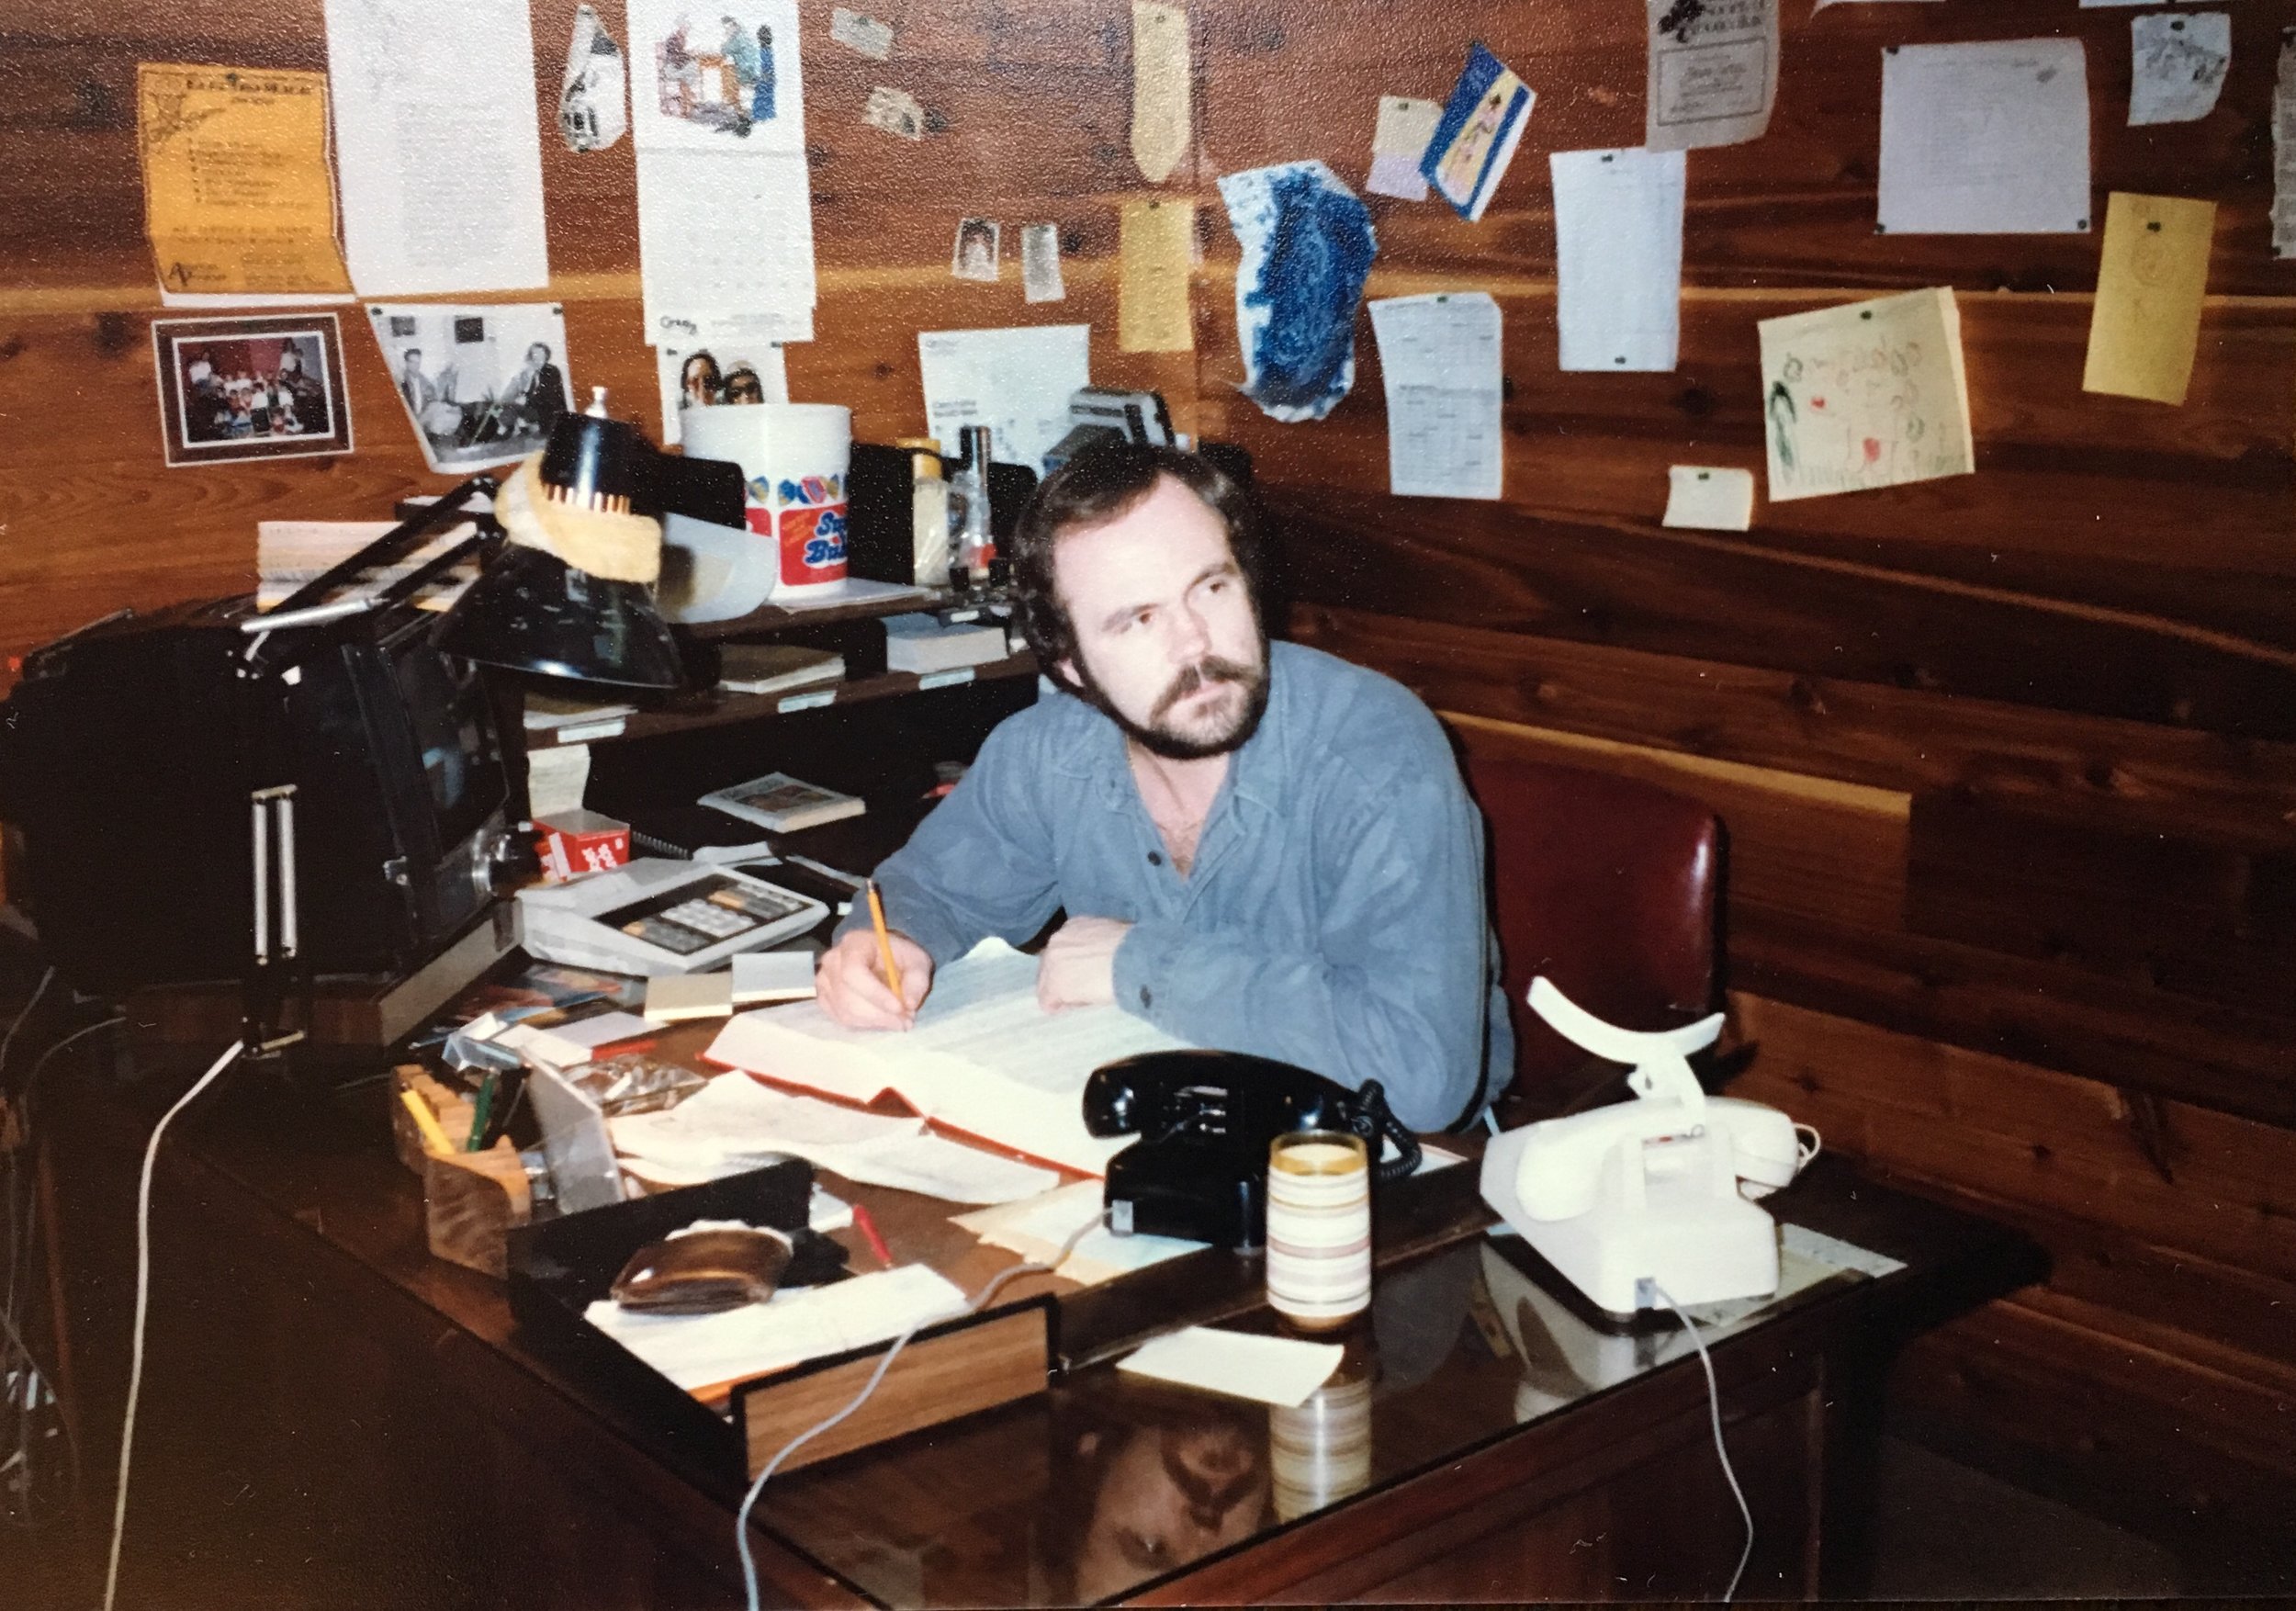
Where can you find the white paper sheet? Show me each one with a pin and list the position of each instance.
(438, 146)
(2284, 151)
(1038, 1227)
(1274, 1370)
(1867, 394)
(2181, 60)
(1440, 358)
(1709, 498)
(806, 1323)
(1618, 257)
(725, 246)
(773, 975)
(733, 1123)
(1397, 142)
(1984, 139)
(1016, 381)
(1712, 73)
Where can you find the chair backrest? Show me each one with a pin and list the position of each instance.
(1608, 886)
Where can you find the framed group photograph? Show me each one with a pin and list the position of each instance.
(238, 389)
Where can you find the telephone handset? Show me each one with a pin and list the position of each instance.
(1205, 1119)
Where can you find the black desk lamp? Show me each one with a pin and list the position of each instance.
(567, 558)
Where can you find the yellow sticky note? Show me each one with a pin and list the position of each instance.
(2145, 325)
(1161, 101)
(1157, 247)
(237, 197)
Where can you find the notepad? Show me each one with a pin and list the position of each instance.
(773, 975)
(983, 1058)
(1275, 1371)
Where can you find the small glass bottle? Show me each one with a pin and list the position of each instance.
(928, 515)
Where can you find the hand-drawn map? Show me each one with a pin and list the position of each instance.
(1870, 394)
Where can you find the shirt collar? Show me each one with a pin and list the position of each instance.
(1256, 775)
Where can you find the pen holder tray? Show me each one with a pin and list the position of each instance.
(470, 1200)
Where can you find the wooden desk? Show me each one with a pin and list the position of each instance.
(332, 1417)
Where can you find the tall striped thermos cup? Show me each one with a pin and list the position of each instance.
(1319, 1228)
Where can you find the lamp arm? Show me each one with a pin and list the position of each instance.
(415, 580)
(399, 540)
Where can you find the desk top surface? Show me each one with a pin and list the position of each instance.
(1103, 1485)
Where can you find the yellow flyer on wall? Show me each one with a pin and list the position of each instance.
(236, 194)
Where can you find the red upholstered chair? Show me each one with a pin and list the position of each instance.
(1611, 887)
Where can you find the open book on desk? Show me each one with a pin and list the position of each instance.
(983, 1060)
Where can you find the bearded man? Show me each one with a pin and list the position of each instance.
(1256, 848)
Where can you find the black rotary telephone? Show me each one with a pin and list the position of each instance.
(1205, 1119)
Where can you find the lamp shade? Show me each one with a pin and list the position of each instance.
(532, 612)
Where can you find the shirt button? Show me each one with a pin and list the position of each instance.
(1156, 858)
(1145, 999)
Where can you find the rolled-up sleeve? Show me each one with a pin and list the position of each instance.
(1396, 985)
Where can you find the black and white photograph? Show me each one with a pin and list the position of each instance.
(235, 388)
(974, 256)
(482, 385)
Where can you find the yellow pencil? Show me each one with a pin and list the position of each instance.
(884, 938)
(426, 1121)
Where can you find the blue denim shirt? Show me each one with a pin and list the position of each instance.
(1334, 915)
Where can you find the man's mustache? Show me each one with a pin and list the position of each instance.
(1210, 669)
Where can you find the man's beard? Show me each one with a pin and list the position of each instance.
(1164, 742)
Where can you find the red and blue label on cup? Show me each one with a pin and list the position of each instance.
(812, 522)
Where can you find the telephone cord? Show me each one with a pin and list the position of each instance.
(1714, 1408)
(143, 1294)
(973, 1305)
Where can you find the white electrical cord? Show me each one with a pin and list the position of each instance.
(143, 1294)
(1714, 1407)
(973, 1305)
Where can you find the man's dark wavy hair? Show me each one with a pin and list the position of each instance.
(1095, 487)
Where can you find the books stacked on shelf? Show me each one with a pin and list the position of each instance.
(782, 803)
(563, 715)
(774, 667)
(925, 644)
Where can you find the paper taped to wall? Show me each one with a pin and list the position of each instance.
(1869, 394)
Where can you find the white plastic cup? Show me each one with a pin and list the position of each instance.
(794, 460)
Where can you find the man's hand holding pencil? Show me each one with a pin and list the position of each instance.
(874, 978)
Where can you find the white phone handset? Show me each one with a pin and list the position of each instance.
(1660, 1059)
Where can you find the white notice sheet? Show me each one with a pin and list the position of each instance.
(1618, 257)
(1713, 73)
(1440, 354)
(1988, 138)
(1017, 381)
(2284, 151)
(438, 146)
(2180, 61)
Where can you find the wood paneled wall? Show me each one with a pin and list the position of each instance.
(2009, 761)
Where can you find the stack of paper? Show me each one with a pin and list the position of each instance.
(983, 1058)
(1040, 1227)
(291, 553)
(706, 1352)
(734, 1123)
